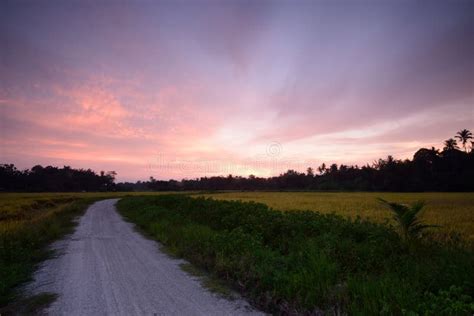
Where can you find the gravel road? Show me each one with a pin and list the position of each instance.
(106, 268)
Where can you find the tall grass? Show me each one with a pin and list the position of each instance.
(304, 261)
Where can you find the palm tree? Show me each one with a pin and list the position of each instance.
(322, 169)
(450, 144)
(407, 218)
(464, 136)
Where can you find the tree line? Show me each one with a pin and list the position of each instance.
(431, 169)
(54, 179)
(449, 169)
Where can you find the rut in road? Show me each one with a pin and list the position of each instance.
(107, 268)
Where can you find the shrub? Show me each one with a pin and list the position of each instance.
(407, 218)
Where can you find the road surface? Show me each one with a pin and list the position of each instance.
(107, 268)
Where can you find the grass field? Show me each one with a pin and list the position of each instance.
(30, 221)
(453, 211)
(308, 262)
(18, 207)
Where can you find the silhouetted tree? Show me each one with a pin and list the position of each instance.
(322, 168)
(429, 170)
(54, 179)
(464, 136)
(450, 144)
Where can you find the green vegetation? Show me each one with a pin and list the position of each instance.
(453, 212)
(209, 281)
(407, 218)
(308, 261)
(25, 230)
(32, 305)
(281, 260)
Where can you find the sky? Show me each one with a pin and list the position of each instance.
(182, 89)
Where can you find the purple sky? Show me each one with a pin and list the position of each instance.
(194, 88)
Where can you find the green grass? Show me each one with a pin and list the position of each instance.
(454, 212)
(299, 261)
(32, 305)
(209, 281)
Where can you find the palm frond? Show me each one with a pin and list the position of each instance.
(407, 217)
(417, 229)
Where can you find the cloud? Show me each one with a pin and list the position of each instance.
(360, 76)
(117, 86)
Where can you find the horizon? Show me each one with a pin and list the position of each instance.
(184, 90)
(290, 166)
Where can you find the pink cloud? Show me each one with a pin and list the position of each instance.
(213, 86)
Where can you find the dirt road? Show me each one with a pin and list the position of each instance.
(107, 268)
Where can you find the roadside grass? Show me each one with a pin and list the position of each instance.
(32, 305)
(454, 212)
(25, 232)
(308, 262)
(209, 281)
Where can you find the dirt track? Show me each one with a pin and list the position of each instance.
(107, 268)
